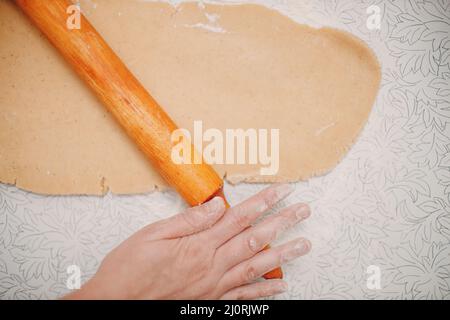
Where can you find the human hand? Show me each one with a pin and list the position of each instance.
(205, 252)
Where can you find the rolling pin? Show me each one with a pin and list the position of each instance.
(145, 122)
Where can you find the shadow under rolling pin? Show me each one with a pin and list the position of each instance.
(126, 99)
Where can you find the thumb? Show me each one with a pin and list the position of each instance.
(190, 221)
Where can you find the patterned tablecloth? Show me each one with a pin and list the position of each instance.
(383, 211)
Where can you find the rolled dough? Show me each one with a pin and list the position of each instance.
(231, 66)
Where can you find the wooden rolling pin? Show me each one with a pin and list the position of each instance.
(124, 96)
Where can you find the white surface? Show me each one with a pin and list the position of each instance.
(387, 204)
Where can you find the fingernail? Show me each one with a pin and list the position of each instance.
(253, 244)
(282, 286)
(214, 206)
(302, 211)
(279, 287)
(296, 213)
(283, 190)
(274, 194)
(301, 247)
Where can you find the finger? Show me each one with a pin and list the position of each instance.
(263, 262)
(244, 214)
(256, 290)
(190, 221)
(254, 239)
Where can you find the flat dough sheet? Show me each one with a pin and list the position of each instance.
(231, 66)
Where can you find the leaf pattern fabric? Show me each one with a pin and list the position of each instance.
(387, 204)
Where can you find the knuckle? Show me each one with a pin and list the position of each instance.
(240, 294)
(280, 258)
(249, 274)
(270, 198)
(266, 291)
(252, 244)
(191, 218)
(240, 218)
(284, 224)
